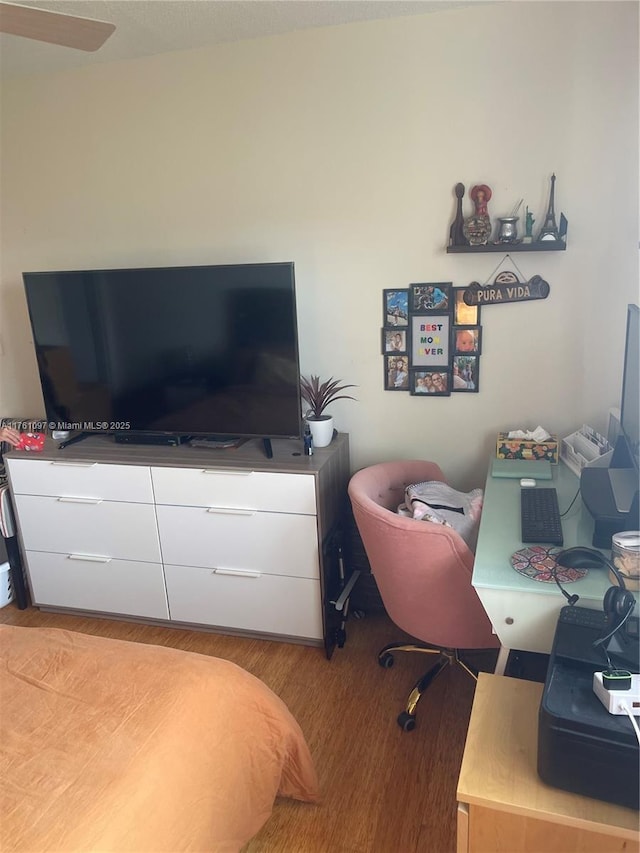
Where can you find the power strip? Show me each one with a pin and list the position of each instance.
(617, 701)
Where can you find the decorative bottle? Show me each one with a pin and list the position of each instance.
(308, 441)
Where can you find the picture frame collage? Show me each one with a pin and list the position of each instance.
(431, 340)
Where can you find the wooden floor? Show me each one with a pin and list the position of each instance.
(384, 791)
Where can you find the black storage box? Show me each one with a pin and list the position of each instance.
(583, 748)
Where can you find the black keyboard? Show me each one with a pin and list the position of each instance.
(597, 620)
(584, 617)
(540, 516)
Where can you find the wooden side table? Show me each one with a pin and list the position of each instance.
(503, 805)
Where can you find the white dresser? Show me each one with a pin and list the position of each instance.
(225, 539)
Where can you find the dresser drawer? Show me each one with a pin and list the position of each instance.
(81, 479)
(109, 586)
(270, 542)
(125, 531)
(240, 489)
(268, 604)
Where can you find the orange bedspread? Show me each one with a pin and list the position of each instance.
(112, 746)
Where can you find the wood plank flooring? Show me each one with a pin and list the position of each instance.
(384, 791)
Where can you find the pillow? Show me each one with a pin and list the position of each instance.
(438, 502)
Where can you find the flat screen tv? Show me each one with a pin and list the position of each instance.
(202, 351)
(611, 494)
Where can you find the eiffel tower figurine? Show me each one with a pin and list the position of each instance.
(549, 230)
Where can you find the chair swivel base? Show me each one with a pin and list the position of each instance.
(445, 657)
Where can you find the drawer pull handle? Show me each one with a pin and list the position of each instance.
(76, 464)
(216, 511)
(228, 472)
(236, 572)
(89, 558)
(93, 501)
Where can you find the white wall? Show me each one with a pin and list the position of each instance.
(339, 149)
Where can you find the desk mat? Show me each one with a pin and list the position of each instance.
(517, 468)
(538, 563)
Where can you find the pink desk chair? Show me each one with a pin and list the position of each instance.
(423, 572)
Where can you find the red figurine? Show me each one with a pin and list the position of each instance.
(480, 195)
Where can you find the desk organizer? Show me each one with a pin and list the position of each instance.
(585, 448)
(520, 448)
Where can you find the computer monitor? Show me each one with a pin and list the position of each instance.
(623, 471)
(611, 495)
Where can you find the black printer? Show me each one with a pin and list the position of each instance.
(583, 748)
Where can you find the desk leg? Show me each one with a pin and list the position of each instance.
(501, 663)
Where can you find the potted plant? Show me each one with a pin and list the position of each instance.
(319, 395)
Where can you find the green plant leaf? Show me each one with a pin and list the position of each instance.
(320, 395)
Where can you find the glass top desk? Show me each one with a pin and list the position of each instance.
(523, 611)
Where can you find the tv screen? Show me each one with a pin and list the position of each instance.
(197, 351)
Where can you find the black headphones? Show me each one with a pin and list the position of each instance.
(572, 599)
(618, 602)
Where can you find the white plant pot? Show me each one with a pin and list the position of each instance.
(321, 431)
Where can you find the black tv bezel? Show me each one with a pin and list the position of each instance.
(151, 435)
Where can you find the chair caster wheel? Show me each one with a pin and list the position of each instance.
(386, 660)
(406, 721)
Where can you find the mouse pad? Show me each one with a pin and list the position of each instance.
(538, 563)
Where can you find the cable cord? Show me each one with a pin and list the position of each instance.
(623, 707)
(562, 514)
(615, 630)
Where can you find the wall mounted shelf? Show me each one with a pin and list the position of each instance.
(545, 246)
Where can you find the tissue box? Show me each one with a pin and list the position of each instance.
(520, 448)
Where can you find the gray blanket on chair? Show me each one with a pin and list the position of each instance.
(440, 503)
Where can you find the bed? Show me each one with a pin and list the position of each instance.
(117, 746)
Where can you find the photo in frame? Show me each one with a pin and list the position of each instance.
(425, 298)
(395, 307)
(394, 340)
(432, 383)
(430, 340)
(467, 339)
(463, 314)
(396, 373)
(466, 373)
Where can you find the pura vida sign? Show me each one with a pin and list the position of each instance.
(506, 288)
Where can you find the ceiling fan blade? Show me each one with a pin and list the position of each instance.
(53, 27)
